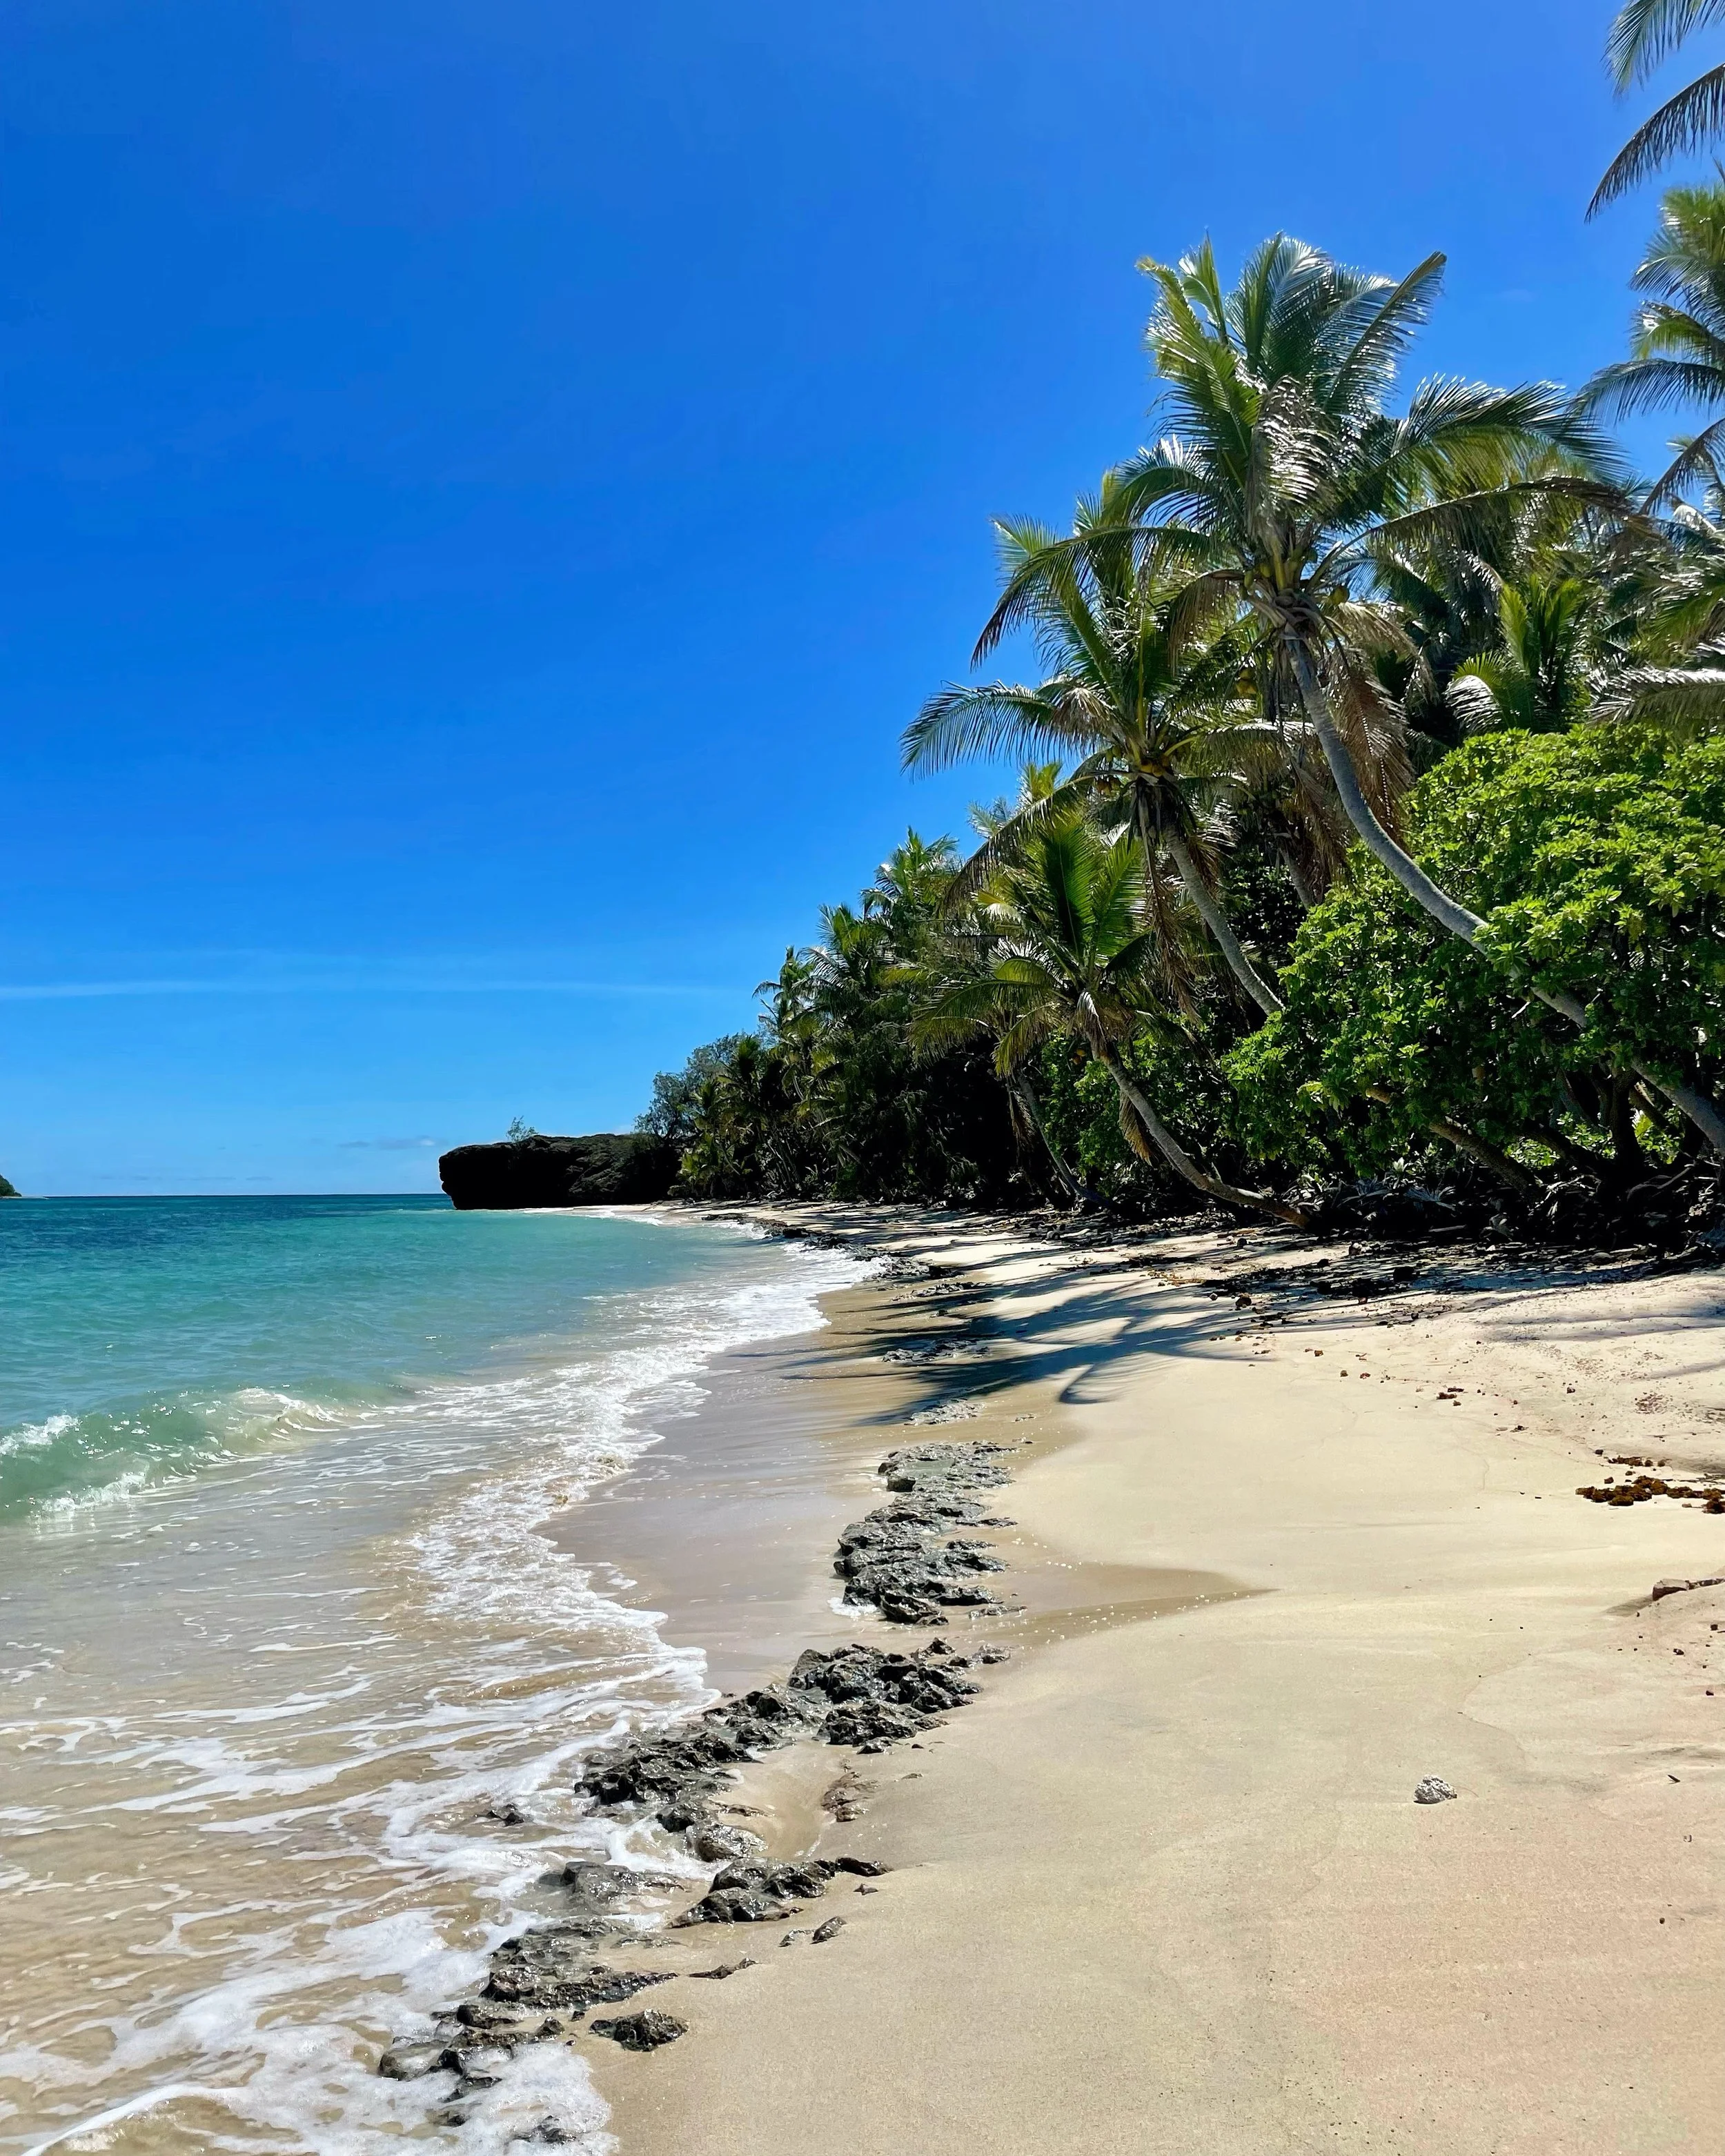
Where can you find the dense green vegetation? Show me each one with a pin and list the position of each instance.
(1371, 822)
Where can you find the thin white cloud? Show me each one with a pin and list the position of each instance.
(350, 984)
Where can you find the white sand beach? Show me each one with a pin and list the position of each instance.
(1164, 1888)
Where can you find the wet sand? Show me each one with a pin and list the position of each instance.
(1164, 1888)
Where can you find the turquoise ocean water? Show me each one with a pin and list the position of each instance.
(278, 1627)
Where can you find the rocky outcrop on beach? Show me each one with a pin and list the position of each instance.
(907, 1561)
(903, 1559)
(609, 1167)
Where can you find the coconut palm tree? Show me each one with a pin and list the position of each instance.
(955, 993)
(1072, 952)
(1288, 472)
(1158, 732)
(1644, 34)
(1541, 677)
(1677, 345)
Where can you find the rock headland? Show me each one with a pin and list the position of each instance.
(608, 1168)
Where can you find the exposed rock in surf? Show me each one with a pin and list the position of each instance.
(714, 1842)
(553, 1968)
(407, 2062)
(907, 1561)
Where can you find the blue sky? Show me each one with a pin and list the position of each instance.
(486, 482)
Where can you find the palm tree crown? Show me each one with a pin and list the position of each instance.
(1161, 732)
(1644, 34)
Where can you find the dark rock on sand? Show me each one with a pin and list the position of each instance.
(714, 1842)
(675, 1771)
(610, 1168)
(1433, 1790)
(552, 1969)
(829, 1930)
(759, 1893)
(642, 2032)
(724, 1969)
(895, 1561)
(856, 1678)
(756, 1893)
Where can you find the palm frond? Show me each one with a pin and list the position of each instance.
(1695, 116)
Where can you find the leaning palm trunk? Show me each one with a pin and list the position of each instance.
(1210, 912)
(1448, 912)
(1026, 1099)
(1181, 1163)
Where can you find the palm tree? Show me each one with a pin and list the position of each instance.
(955, 993)
(1072, 952)
(1542, 678)
(1289, 473)
(1159, 732)
(1644, 34)
(1677, 347)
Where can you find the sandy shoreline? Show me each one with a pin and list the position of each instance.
(1163, 1887)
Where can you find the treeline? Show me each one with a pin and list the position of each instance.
(1371, 826)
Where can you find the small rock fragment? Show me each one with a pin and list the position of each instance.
(829, 1930)
(725, 1969)
(642, 2032)
(1433, 1790)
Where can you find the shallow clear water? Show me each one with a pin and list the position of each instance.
(277, 1629)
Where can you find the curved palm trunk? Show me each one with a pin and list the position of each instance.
(1181, 1163)
(1026, 1099)
(1450, 912)
(1210, 912)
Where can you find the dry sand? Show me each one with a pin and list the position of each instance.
(1164, 1888)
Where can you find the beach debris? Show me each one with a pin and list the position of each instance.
(508, 1812)
(1642, 1489)
(1433, 1790)
(642, 2032)
(724, 1969)
(1661, 1588)
(829, 1930)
